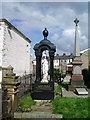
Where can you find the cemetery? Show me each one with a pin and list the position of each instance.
(48, 94)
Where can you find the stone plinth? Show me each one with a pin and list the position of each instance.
(77, 77)
(43, 91)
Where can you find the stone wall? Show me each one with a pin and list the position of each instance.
(85, 59)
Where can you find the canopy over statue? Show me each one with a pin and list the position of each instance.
(45, 84)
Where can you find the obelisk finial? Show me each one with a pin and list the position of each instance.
(76, 21)
(45, 33)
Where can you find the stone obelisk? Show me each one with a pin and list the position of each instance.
(77, 77)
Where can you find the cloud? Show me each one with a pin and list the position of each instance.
(31, 18)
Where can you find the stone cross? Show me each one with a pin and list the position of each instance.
(76, 21)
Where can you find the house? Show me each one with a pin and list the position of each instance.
(85, 54)
(63, 61)
(14, 48)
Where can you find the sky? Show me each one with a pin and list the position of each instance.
(31, 18)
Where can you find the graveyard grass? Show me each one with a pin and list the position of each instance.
(70, 107)
(25, 103)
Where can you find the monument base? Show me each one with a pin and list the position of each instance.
(43, 91)
(73, 87)
(76, 82)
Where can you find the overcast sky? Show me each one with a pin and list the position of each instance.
(31, 19)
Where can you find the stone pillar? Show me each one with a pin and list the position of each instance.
(77, 42)
(51, 65)
(5, 98)
(0, 93)
(38, 67)
(0, 104)
(77, 77)
(11, 83)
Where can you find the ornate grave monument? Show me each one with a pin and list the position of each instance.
(43, 89)
(77, 77)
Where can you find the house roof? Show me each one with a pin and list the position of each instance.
(84, 50)
(64, 56)
(10, 25)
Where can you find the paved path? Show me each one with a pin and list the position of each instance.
(40, 111)
(42, 107)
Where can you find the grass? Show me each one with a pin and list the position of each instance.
(71, 107)
(25, 104)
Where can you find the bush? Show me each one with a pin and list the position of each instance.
(57, 75)
(86, 76)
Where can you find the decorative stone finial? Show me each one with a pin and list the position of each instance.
(45, 33)
(76, 21)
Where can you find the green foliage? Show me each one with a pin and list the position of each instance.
(71, 107)
(57, 75)
(25, 103)
(58, 88)
(86, 75)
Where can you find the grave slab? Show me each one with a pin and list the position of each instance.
(81, 91)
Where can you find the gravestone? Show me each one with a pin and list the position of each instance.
(43, 89)
(81, 91)
(77, 77)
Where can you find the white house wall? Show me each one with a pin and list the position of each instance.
(1, 48)
(16, 51)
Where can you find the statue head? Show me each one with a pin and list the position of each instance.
(44, 54)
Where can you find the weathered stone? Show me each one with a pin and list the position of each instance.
(10, 83)
(76, 70)
(0, 104)
(77, 78)
(38, 115)
(81, 91)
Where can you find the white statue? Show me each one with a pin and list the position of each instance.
(44, 68)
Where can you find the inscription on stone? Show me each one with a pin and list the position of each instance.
(81, 91)
(44, 87)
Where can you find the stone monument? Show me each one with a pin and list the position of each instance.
(44, 90)
(77, 77)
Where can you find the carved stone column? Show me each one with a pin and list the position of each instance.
(11, 83)
(51, 66)
(38, 67)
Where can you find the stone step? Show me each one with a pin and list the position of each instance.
(37, 116)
